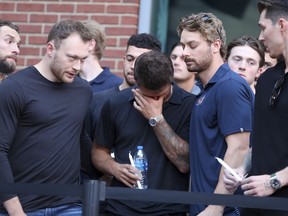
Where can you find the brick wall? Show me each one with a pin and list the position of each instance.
(35, 19)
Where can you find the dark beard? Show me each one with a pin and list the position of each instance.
(5, 67)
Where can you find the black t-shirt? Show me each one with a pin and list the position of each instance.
(270, 137)
(122, 128)
(91, 121)
(41, 123)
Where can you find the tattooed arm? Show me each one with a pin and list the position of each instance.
(175, 148)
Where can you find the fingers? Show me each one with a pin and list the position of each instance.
(228, 175)
(230, 184)
(139, 98)
(127, 175)
(140, 102)
(249, 190)
(257, 186)
(136, 106)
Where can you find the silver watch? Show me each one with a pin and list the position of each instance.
(274, 182)
(154, 121)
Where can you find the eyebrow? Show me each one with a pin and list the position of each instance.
(76, 57)
(249, 58)
(11, 36)
(129, 55)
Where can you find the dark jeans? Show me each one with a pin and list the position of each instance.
(263, 212)
(63, 210)
(176, 214)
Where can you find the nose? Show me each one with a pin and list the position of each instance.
(242, 65)
(185, 52)
(133, 65)
(261, 38)
(15, 49)
(176, 60)
(78, 64)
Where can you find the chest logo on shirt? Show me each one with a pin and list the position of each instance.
(200, 100)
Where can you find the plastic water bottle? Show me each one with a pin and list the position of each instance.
(141, 163)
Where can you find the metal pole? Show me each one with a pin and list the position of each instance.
(91, 198)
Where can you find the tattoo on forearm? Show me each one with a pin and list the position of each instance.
(248, 161)
(176, 149)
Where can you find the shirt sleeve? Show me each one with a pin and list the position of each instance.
(105, 129)
(235, 107)
(11, 100)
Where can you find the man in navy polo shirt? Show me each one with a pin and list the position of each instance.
(221, 120)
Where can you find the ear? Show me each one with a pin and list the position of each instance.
(92, 44)
(259, 72)
(50, 48)
(283, 24)
(216, 46)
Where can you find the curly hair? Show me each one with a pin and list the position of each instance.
(209, 26)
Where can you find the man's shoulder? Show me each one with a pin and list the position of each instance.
(28, 71)
(233, 80)
(99, 97)
(116, 99)
(108, 73)
(23, 77)
(183, 95)
(106, 93)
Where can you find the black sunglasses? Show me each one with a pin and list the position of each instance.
(276, 90)
(207, 19)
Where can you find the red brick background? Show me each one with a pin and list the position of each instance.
(36, 17)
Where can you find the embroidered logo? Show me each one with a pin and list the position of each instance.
(200, 100)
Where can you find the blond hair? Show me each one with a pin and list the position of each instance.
(209, 26)
(98, 33)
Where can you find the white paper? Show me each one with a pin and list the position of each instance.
(133, 164)
(228, 168)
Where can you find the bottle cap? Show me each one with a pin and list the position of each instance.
(139, 147)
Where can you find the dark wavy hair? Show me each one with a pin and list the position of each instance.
(153, 70)
(251, 42)
(65, 28)
(144, 41)
(275, 9)
(9, 24)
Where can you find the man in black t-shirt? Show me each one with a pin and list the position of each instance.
(269, 172)
(41, 117)
(156, 115)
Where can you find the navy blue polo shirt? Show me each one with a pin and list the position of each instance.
(224, 107)
(105, 80)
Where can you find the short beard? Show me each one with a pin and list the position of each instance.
(6, 68)
(130, 83)
(202, 64)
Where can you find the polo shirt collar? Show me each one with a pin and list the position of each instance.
(102, 76)
(222, 70)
